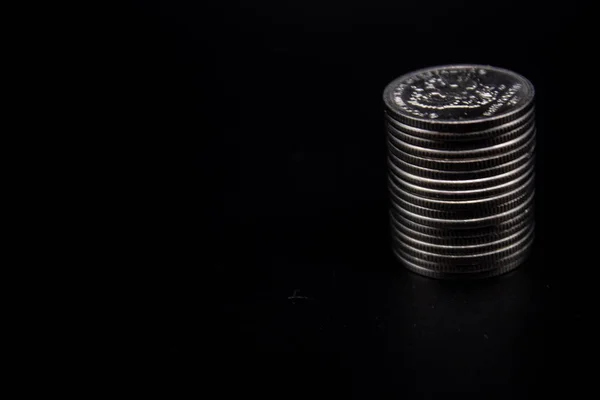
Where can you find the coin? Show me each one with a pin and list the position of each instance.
(477, 222)
(463, 237)
(475, 272)
(481, 183)
(455, 249)
(466, 265)
(463, 164)
(468, 256)
(499, 138)
(445, 234)
(468, 194)
(458, 98)
(463, 136)
(465, 213)
(460, 175)
(479, 152)
(461, 205)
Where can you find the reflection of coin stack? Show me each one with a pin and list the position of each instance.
(461, 145)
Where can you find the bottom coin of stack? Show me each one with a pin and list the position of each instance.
(461, 196)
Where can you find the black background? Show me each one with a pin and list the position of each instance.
(257, 171)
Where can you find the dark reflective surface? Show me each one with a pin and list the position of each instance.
(376, 329)
(261, 247)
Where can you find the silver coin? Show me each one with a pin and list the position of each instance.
(522, 207)
(467, 265)
(487, 271)
(463, 136)
(463, 249)
(463, 164)
(469, 194)
(458, 98)
(460, 175)
(462, 145)
(467, 256)
(481, 183)
(481, 152)
(453, 214)
(461, 237)
(461, 205)
(454, 235)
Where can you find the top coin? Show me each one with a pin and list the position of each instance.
(458, 98)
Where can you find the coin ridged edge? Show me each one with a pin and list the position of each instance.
(486, 201)
(498, 269)
(462, 238)
(473, 212)
(466, 184)
(460, 175)
(480, 152)
(462, 249)
(463, 145)
(468, 257)
(464, 136)
(469, 194)
(466, 164)
(469, 267)
(521, 207)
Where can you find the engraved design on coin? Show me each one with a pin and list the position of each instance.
(456, 93)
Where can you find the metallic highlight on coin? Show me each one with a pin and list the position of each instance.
(461, 159)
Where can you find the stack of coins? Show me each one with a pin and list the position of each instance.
(461, 143)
